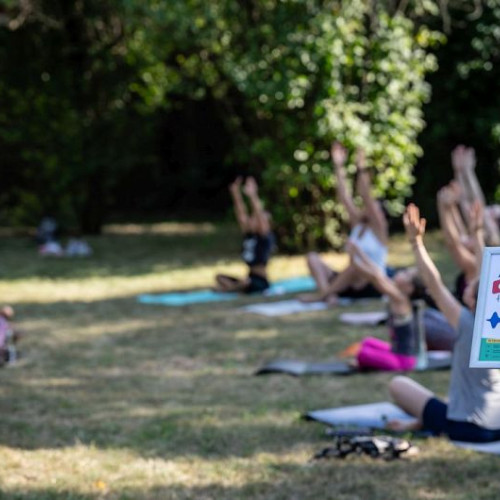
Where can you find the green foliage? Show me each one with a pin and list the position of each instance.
(465, 103)
(277, 80)
(290, 77)
(67, 114)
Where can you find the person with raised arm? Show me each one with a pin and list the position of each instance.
(463, 160)
(258, 240)
(457, 237)
(402, 351)
(473, 409)
(369, 229)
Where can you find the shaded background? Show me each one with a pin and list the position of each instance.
(125, 110)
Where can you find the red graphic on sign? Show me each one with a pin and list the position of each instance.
(496, 287)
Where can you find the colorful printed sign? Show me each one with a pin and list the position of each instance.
(485, 351)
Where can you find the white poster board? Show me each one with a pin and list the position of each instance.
(485, 349)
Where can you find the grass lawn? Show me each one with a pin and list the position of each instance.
(117, 400)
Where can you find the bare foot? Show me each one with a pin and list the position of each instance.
(332, 299)
(403, 425)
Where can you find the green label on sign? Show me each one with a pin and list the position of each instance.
(490, 350)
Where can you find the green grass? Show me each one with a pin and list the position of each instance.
(117, 400)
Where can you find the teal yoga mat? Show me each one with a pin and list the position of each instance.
(290, 285)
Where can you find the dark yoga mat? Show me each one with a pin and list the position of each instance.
(436, 360)
(297, 368)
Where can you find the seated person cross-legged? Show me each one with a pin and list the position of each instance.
(401, 353)
(472, 412)
(369, 230)
(258, 241)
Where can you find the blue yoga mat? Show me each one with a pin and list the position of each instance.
(291, 285)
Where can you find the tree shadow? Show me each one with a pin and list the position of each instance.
(349, 479)
(113, 255)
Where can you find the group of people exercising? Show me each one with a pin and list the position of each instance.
(472, 412)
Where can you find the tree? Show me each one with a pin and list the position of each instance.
(67, 112)
(288, 78)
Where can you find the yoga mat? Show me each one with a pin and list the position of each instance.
(375, 416)
(436, 360)
(186, 298)
(284, 307)
(297, 368)
(372, 318)
(290, 285)
(493, 447)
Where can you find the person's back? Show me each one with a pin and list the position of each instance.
(473, 410)
(474, 394)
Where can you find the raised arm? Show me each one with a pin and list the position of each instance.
(372, 206)
(475, 194)
(448, 213)
(339, 156)
(476, 231)
(240, 209)
(415, 229)
(455, 196)
(400, 304)
(262, 219)
(459, 158)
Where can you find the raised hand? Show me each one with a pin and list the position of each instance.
(457, 158)
(339, 154)
(469, 159)
(414, 224)
(235, 185)
(446, 196)
(250, 188)
(360, 159)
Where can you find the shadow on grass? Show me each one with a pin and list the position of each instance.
(164, 382)
(114, 255)
(170, 382)
(350, 479)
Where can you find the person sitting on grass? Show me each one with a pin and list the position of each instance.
(8, 336)
(258, 240)
(402, 351)
(473, 409)
(369, 229)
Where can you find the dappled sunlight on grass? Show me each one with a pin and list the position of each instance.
(256, 334)
(117, 400)
(168, 228)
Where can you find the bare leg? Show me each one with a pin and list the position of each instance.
(321, 273)
(411, 397)
(349, 277)
(230, 284)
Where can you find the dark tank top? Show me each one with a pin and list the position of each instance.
(257, 248)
